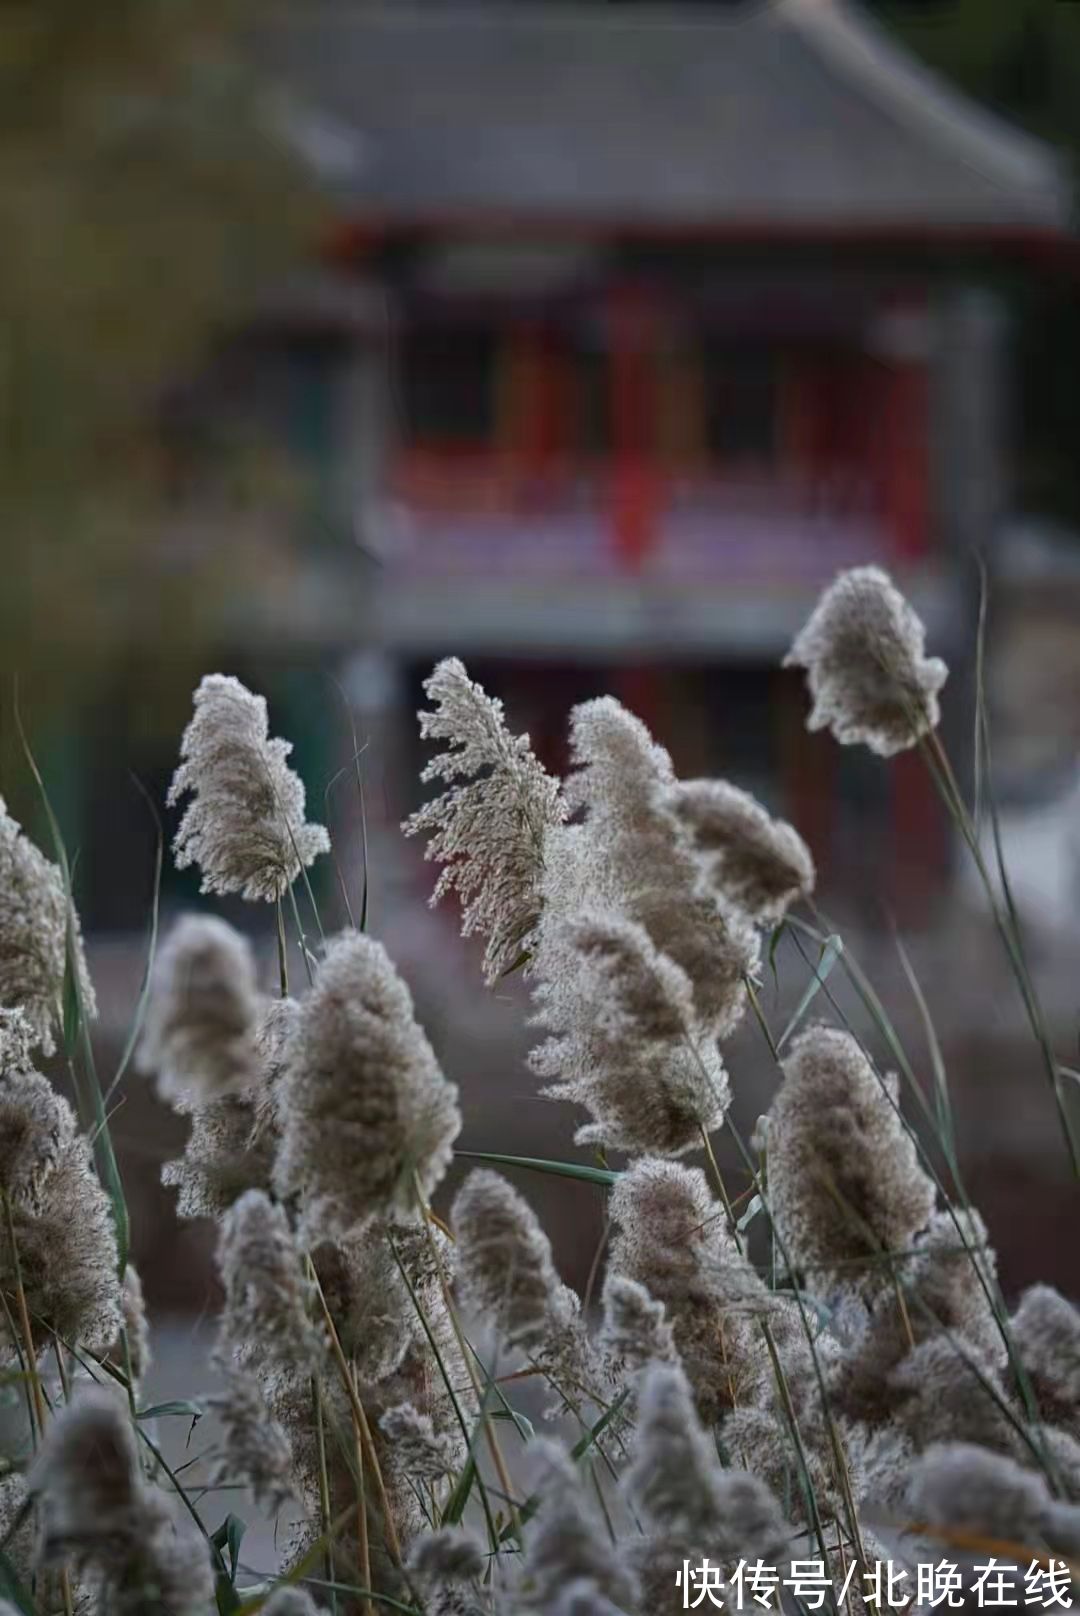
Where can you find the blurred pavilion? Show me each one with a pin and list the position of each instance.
(636, 327)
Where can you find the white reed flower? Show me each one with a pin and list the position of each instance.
(505, 1269)
(945, 1390)
(267, 1295)
(863, 651)
(36, 1128)
(632, 854)
(368, 1119)
(416, 1376)
(256, 1449)
(679, 1490)
(16, 1041)
(447, 1554)
(227, 1152)
(671, 1236)
(487, 828)
(234, 1139)
(244, 826)
(635, 1329)
(565, 1542)
(583, 1598)
(87, 1476)
(938, 1290)
(38, 923)
(97, 1512)
(954, 1268)
(417, 1449)
(627, 1044)
(447, 1564)
(198, 1036)
(17, 1531)
(66, 1243)
(266, 1341)
(964, 1489)
(1046, 1334)
(506, 1276)
(369, 1300)
(759, 864)
(845, 1183)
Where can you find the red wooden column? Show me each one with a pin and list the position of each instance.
(531, 412)
(635, 483)
(906, 482)
(544, 418)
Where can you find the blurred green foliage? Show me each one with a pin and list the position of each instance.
(1020, 56)
(1022, 59)
(147, 193)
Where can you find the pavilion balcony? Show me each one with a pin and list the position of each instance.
(619, 559)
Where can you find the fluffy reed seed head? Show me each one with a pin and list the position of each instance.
(256, 1449)
(66, 1241)
(627, 1044)
(417, 1449)
(963, 1488)
(505, 1267)
(635, 1329)
(96, 1511)
(634, 856)
(37, 922)
(759, 864)
(565, 1542)
(487, 828)
(447, 1554)
(448, 1564)
(1046, 1334)
(678, 1488)
(234, 1139)
(368, 1298)
(198, 1036)
(583, 1598)
(938, 1290)
(16, 1041)
(955, 1266)
(845, 1182)
(17, 1526)
(368, 1118)
(244, 826)
(36, 1127)
(946, 1390)
(267, 1297)
(671, 1236)
(87, 1477)
(863, 651)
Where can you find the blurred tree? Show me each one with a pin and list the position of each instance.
(148, 192)
(1022, 59)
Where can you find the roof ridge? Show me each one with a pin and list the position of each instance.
(888, 72)
(390, 74)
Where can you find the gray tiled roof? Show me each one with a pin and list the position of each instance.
(795, 112)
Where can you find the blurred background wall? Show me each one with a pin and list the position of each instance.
(586, 342)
